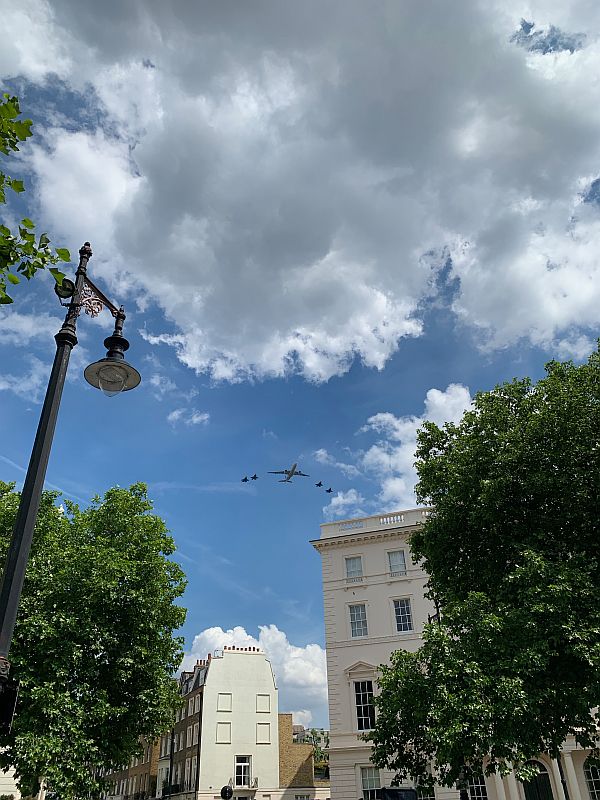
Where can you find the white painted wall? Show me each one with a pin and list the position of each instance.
(244, 674)
(351, 659)
(8, 785)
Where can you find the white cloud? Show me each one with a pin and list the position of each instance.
(390, 460)
(345, 504)
(300, 672)
(21, 329)
(302, 717)
(289, 171)
(28, 386)
(188, 417)
(323, 457)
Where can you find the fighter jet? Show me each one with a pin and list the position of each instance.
(319, 484)
(289, 473)
(245, 479)
(254, 477)
(329, 491)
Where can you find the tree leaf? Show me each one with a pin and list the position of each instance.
(63, 254)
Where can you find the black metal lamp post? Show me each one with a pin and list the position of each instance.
(111, 374)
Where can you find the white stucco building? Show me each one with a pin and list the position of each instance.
(374, 604)
(227, 733)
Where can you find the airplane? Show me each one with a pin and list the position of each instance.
(245, 479)
(329, 491)
(319, 484)
(289, 473)
(254, 477)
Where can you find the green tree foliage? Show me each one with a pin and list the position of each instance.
(94, 647)
(513, 555)
(21, 253)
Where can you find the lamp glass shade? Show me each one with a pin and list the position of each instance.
(112, 376)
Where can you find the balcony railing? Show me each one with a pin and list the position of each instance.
(251, 783)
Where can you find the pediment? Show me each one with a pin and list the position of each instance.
(360, 668)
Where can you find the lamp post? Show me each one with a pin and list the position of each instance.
(111, 374)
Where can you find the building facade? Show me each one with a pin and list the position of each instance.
(374, 604)
(229, 732)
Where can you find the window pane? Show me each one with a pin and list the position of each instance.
(358, 620)
(365, 710)
(242, 770)
(397, 561)
(370, 783)
(592, 777)
(477, 788)
(403, 615)
(354, 567)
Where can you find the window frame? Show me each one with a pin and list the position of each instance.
(248, 763)
(353, 577)
(362, 693)
(398, 573)
(592, 781)
(364, 621)
(370, 792)
(409, 617)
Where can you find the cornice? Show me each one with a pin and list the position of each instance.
(355, 537)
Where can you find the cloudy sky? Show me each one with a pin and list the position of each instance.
(328, 221)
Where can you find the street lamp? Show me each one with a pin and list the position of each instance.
(112, 375)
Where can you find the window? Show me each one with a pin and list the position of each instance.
(186, 780)
(193, 772)
(242, 770)
(365, 710)
(592, 777)
(263, 733)
(224, 701)
(358, 620)
(403, 615)
(263, 703)
(354, 572)
(302, 797)
(188, 739)
(223, 732)
(477, 788)
(370, 783)
(196, 730)
(190, 707)
(197, 704)
(397, 562)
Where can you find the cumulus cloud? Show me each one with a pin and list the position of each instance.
(273, 182)
(345, 504)
(300, 672)
(390, 459)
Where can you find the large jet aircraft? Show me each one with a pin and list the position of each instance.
(289, 473)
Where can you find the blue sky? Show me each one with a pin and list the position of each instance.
(326, 225)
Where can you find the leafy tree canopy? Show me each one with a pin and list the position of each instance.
(94, 647)
(21, 253)
(513, 555)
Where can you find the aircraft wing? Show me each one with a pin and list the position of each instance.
(278, 472)
(302, 474)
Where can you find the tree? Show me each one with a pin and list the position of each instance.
(94, 647)
(20, 254)
(512, 550)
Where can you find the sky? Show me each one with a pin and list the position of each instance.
(327, 222)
